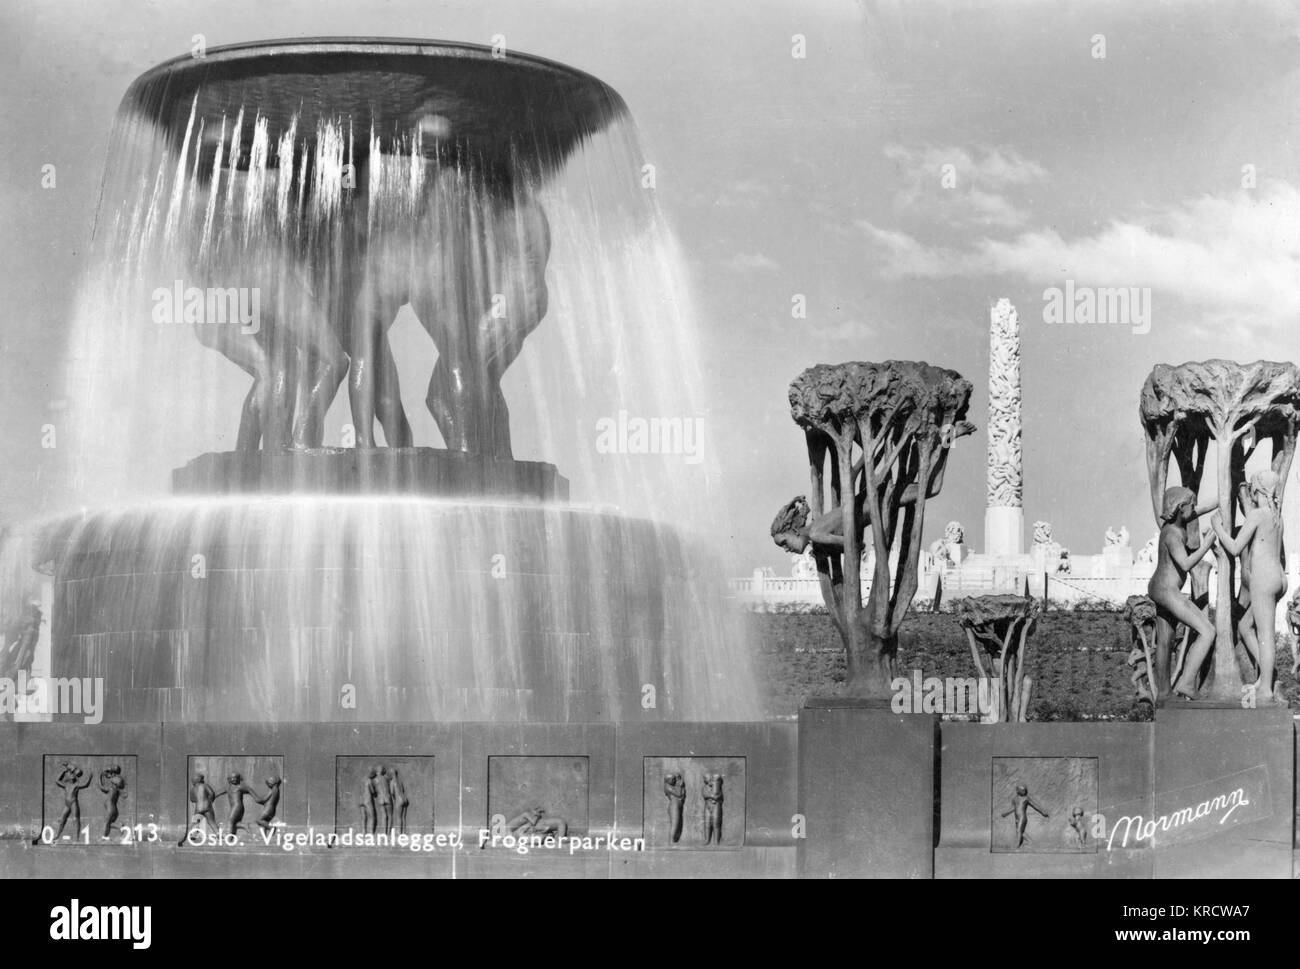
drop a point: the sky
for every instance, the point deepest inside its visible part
(919, 161)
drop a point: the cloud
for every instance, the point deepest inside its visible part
(746, 193)
(905, 256)
(750, 262)
(960, 186)
(844, 331)
(1232, 256)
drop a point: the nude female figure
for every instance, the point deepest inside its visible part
(1174, 560)
(1259, 541)
(1244, 618)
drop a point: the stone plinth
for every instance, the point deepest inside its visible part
(1004, 531)
(866, 791)
(1102, 769)
(1246, 757)
(454, 778)
(323, 609)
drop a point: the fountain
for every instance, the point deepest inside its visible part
(284, 201)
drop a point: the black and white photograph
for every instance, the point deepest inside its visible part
(674, 439)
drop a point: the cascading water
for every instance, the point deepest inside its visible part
(285, 203)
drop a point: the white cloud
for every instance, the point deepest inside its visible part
(1232, 256)
(906, 256)
(960, 186)
(747, 193)
(844, 331)
(750, 262)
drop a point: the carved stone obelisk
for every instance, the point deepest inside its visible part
(1004, 519)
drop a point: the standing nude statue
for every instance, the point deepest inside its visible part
(112, 784)
(367, 801)
(1174, 560)
(1258, 544)
(712, 809)
(1243, 617)
(72, 785)
(1020, 805)
(675, 791)
(270, 803)
(400, 801)
(383, 802)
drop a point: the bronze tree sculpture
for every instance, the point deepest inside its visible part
(878, 436)
(1237, 406)
(1000, 625)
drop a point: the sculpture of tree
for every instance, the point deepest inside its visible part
(878, 436)
(1237, 405)
(1001, 625)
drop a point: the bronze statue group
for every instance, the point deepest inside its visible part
(1257, 545)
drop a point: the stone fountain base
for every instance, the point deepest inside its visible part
(313, 608)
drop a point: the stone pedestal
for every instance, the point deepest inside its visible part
(1004, 531)
(1246, 757)
(1102, 770)
(867, 791)
(385, 610)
